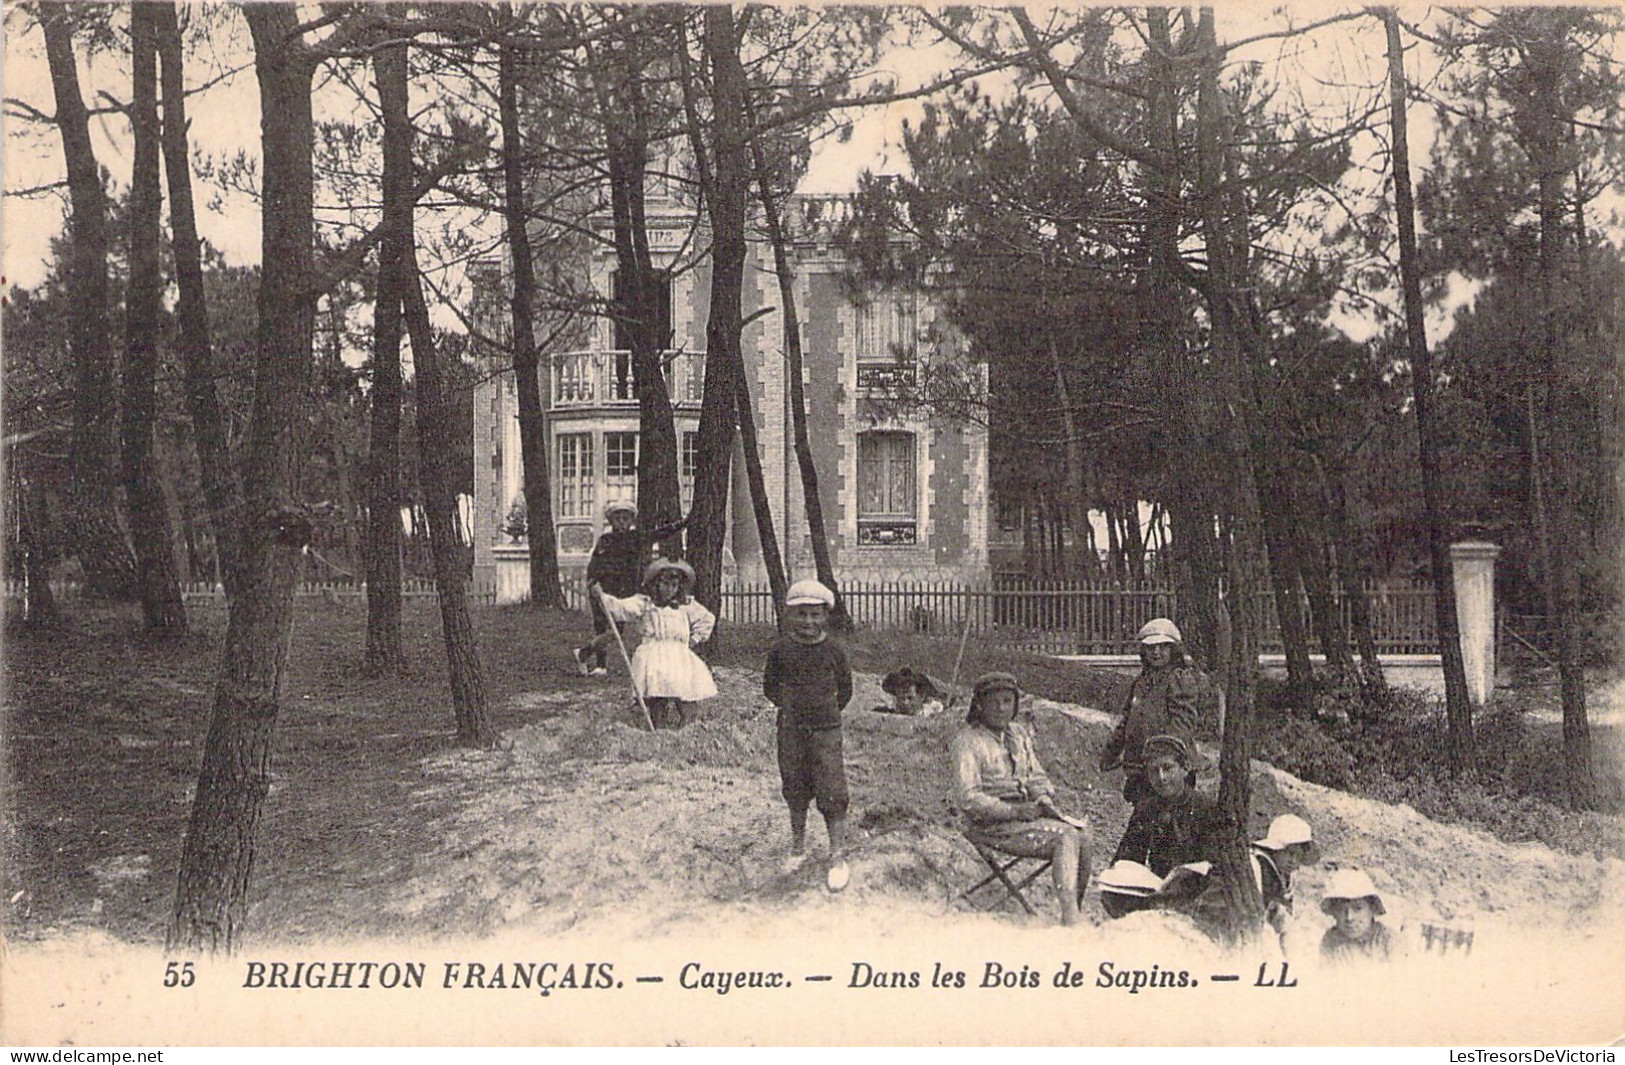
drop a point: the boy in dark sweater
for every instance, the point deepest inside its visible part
(617, 563)
(807, 677)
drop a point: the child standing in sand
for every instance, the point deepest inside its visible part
(807, 677)
(1162, 700)
(617, 563)
(665, 670)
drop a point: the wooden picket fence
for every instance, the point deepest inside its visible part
(1072, 617)
(1046, 617)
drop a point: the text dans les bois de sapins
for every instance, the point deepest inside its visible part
(547, 977)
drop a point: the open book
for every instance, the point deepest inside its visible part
(1132, 878)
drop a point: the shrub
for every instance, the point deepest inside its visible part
(1394, 749)
(1303, 749)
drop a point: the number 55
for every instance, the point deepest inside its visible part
(179, 974)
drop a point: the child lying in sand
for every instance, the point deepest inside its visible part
(913, 693)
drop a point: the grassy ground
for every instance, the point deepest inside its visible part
(103, 729)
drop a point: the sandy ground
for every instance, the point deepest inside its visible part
(584, 837)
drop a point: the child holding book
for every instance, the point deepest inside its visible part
(1173, 825)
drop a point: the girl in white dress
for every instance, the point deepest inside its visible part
(670, 622)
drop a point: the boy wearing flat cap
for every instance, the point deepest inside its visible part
(808, 678)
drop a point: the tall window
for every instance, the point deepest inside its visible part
(685, 471)
(620, 466)
(887, 496)
(887, 325)
(577, 491)
(886, 336)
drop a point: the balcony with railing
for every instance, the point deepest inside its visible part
(583, 379)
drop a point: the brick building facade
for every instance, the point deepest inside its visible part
(904, 493)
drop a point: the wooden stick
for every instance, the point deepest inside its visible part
(626, 658)
(953, 685)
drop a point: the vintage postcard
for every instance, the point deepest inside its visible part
(588, 525)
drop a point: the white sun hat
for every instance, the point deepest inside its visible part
(1351, 884)
(1160, 630)
(1285, 831)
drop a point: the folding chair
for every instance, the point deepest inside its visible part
(1000, 867)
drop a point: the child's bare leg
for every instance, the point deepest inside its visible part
(1070, 868)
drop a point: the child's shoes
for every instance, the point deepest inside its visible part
(840, 874)
(792, 863)
(583, 665)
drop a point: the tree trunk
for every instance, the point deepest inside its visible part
(1309, 548)
(1458, 712)
(1554, 507)
(1352, 573)
(545, 590)
(1190, 510)
(384, 654)
(144, 307)
(1243, 904)
(101, 545)
(771, 558)
(217, 858)
(626, 133)
(217, 470)
(436, 447)
(1276, 506)
(708, 521)
(39, 602)
(840, 620)
(437, 478)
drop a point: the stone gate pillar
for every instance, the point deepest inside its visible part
(1473, 564)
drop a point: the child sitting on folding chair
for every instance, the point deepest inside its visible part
(1006, 797)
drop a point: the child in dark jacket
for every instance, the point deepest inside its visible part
(1172, 825)
(617, 563)
(1162, 700)
(807, 677)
